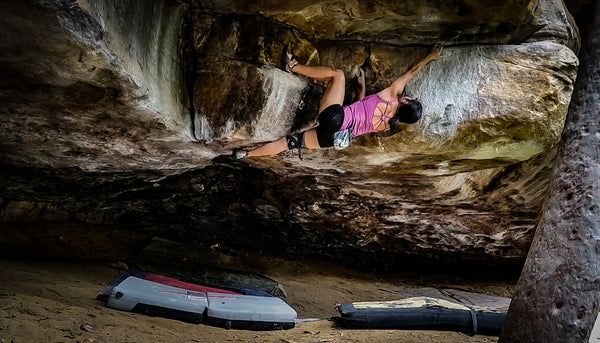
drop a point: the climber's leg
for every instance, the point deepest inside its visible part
(270, 149)
(307, 139)
(334, 94)
(310, 139)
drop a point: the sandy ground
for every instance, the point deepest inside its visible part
(49, 302)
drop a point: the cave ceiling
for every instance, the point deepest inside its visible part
(118, 119)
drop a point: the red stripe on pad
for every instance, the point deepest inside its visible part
(165, 280)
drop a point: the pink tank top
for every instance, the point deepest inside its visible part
(360, 115)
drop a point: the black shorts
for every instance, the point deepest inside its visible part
(330, 122)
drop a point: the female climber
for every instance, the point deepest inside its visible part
(337, 125)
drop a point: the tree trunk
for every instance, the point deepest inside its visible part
(557, 297)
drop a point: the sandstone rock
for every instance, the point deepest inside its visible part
(146, 50)
(68, 100)
(554, 22)
(392, 22)
(480, 102)
(113, 113)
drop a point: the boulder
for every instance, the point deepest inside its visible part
(115, 114)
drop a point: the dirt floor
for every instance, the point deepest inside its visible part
(50, 302)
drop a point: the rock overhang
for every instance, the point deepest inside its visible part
(466, 182)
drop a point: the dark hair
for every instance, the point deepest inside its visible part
(408, 113)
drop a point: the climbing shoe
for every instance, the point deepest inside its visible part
(296, 141)
(289, 60)
(239, 154)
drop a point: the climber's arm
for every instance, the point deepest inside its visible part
(362, 92)
(361, 83)
(397, 87)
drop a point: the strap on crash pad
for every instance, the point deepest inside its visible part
(473, 321)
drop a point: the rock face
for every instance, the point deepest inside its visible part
(114, 114)
(391, 22)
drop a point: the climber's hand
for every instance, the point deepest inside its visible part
(436, 52)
